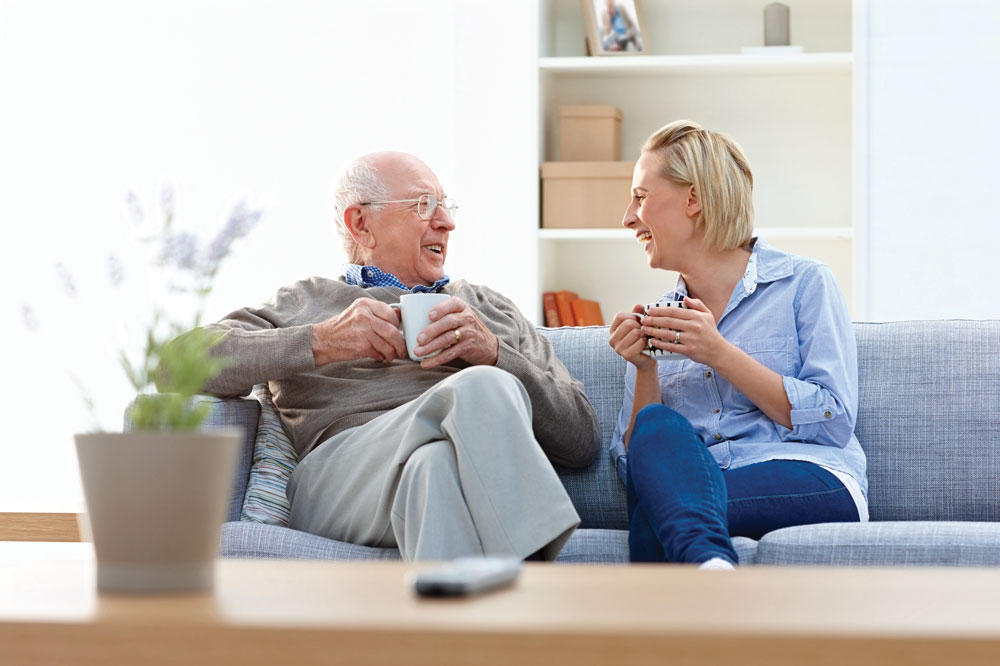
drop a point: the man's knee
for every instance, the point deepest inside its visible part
(485, 386)
(484, 376)
(431, 464)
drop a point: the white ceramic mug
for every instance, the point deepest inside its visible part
(413, 312)
(656, 352)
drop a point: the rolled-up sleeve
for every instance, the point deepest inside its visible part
(824, 392)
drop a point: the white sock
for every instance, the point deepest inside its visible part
(717, 563)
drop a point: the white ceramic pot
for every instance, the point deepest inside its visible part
(156, 502)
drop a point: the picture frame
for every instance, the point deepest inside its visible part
(614, 27)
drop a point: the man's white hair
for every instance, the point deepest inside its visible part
(356, 183)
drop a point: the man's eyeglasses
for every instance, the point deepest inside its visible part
(426, 205)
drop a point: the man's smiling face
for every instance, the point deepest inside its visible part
(409, 247)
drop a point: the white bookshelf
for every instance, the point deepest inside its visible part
(792, 113)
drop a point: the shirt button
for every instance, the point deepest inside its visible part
(827, 415)
(718, 437)
(716, 411)
(708, 374)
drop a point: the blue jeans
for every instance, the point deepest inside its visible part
(683, 508)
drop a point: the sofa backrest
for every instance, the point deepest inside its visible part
(928, 419)
(597, 492)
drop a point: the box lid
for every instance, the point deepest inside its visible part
(588, 169)
(590, 112)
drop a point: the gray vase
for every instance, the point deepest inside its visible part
(156, 502)
(776, 25)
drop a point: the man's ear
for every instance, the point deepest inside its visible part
(693, 204)
(357, 222)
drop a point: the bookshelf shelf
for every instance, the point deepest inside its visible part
(783, 233)
(722, 64)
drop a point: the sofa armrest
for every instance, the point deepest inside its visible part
(242, 413)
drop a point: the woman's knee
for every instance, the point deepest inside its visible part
(659, 426)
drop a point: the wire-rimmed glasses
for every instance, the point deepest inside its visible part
(426, 205)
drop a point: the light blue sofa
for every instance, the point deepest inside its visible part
(929, 420)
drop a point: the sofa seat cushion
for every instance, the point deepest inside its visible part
(245, 539)
(595, 546)
(892, 543)
(598, 546)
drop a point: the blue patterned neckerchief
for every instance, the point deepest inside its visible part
(371, 276)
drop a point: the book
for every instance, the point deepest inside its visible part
(587, 312)
(563, 300)
(551, 309)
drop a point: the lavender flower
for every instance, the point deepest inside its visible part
(180, 249)
(116, 271)
(241, 220)
(29, 318)
(187, 270)
(168, 200)
(133, 208)
(66, 278)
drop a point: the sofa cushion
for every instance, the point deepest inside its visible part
(597, 492)
(274, 459)
(611, 546)
(929, 418)
(243, 539)
(896, 543)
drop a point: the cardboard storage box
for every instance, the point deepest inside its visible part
(585, 194)
(590, 133)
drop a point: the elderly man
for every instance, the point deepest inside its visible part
(443, 458)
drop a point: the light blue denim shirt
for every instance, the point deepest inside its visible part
(788, 313)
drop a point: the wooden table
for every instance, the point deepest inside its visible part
(41, 521)
(298, 613)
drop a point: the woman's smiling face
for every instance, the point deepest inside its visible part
(663, 214)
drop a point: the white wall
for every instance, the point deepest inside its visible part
(224, 97)
(933, 140)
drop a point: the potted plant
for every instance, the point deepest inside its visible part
(157, 494)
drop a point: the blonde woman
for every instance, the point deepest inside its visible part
(749, 426)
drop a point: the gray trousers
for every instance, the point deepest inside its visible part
(455, 472)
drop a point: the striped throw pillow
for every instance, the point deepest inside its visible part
(274, 458)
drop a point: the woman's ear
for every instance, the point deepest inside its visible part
(693, 204)
(357, 222)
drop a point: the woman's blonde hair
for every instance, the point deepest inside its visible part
(715, 165)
